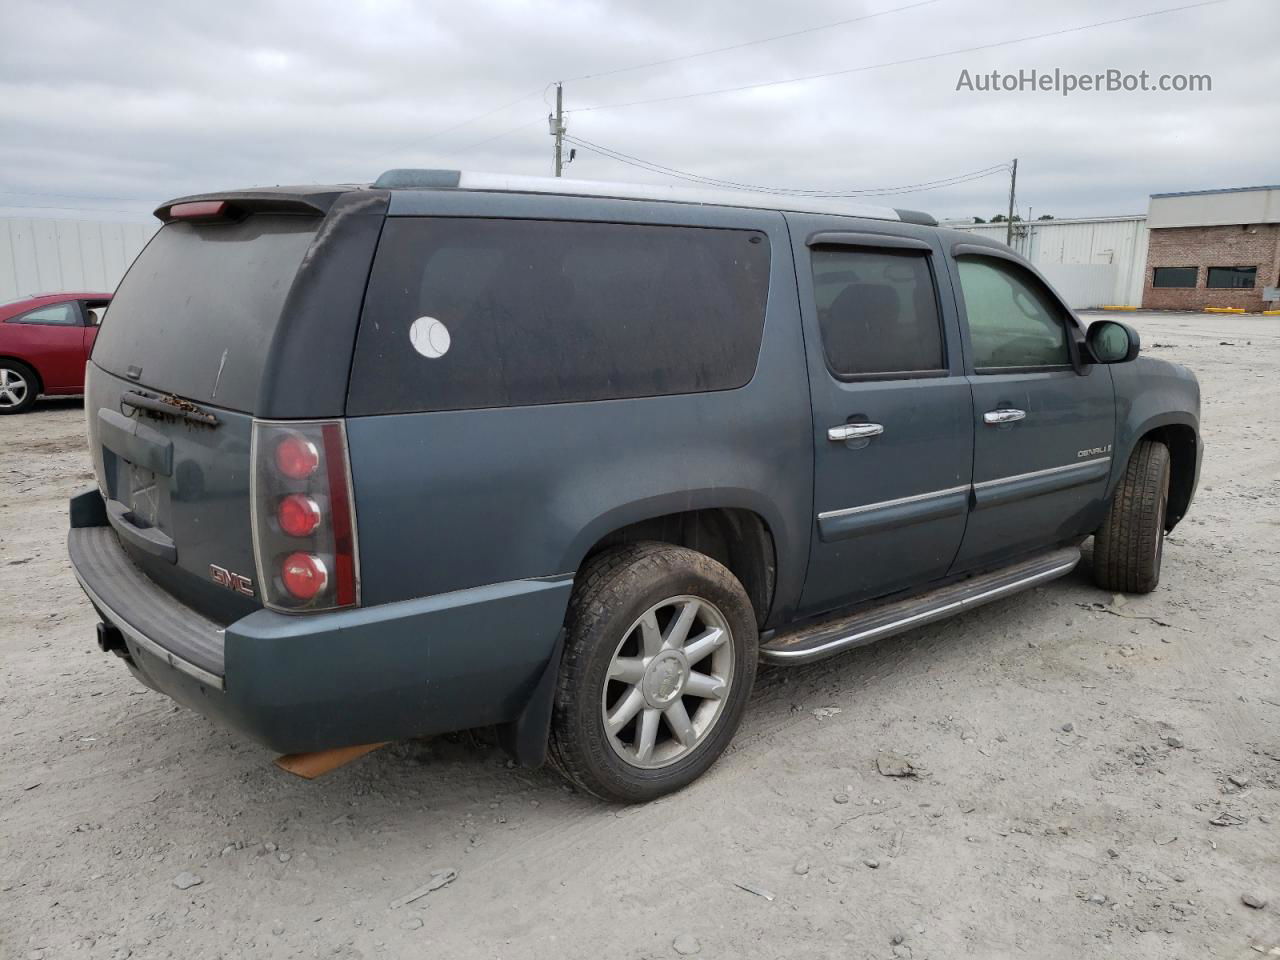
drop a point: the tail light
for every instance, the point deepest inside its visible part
(304, 531)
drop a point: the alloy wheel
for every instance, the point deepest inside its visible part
(668, 682)
(13, 387)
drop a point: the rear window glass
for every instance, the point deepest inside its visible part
(196, 311)
(469, 313)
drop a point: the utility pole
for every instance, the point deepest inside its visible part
(557, 125)
(1013, 183)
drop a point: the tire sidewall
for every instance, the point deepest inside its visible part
(610, 616)
(1162, 510)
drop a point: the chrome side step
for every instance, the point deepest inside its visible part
(813, 642)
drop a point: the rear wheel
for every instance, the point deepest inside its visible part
(18, 387)
(660, 656)
(1129, 546)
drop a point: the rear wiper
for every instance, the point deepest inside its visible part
(169, 405)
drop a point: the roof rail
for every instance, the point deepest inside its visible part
(410, 179)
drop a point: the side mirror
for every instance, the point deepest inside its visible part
(1112, 342)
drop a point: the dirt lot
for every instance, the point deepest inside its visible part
(1100, 777)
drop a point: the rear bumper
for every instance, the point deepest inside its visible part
(300, 683)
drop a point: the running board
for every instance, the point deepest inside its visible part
(813, 642)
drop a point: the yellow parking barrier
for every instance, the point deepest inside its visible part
(1114, 307)
(1224, 309)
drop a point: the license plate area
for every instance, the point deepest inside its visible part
(145, 492)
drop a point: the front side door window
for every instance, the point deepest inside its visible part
(1013, 320)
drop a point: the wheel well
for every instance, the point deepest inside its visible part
(30, 366)
(739, 539)
(1181, 441)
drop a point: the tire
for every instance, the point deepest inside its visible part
(1129, 546)
(622, 642)
(19, 387)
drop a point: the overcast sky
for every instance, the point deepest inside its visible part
(120, 105)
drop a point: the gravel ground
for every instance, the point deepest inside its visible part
(1096, 776)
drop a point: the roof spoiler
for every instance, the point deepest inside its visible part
(237, 204)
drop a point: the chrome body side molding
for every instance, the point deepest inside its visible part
(1024, 485)
(867, 517)
(870, 517)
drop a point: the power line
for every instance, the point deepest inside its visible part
(654, 167)
(751, 43)
(40, 206)
(504, 133)
(641, 66)
(75, 196)
(462, 123)
(902, 62)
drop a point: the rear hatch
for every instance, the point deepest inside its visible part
(193, 349)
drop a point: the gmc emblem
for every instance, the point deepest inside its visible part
(232, 581)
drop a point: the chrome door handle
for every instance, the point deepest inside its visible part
(854, 431)
(1005, 415)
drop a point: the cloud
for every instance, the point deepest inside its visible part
(133, 102)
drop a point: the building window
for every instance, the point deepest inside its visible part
(1174, 276)
(1232, 278)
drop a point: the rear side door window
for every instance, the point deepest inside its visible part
(541, 311)
(55, 315)
(878, 313)
(1013, 322)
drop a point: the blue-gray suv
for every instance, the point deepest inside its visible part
(567, 458)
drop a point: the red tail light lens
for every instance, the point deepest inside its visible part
(303, 516)
(296, 456)
(200, 210)
(304, 575)
(298, 515)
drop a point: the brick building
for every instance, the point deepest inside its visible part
(1213, 248)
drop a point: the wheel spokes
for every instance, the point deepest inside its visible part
(650, 635)
(678, 631)
(647, 734)
(702, 645)
(626, 709)
(680, 724)
(627, 669)
(704, 685)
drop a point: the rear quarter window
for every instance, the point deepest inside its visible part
(536, 311)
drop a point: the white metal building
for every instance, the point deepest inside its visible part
(1092, 262)
(49, 255)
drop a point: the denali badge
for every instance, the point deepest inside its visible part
(1093, 452)
(232, 581)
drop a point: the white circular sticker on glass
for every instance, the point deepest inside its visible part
(430, 337)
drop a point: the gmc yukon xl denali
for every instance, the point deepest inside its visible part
(569, 458)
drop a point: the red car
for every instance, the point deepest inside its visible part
(44, 344)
